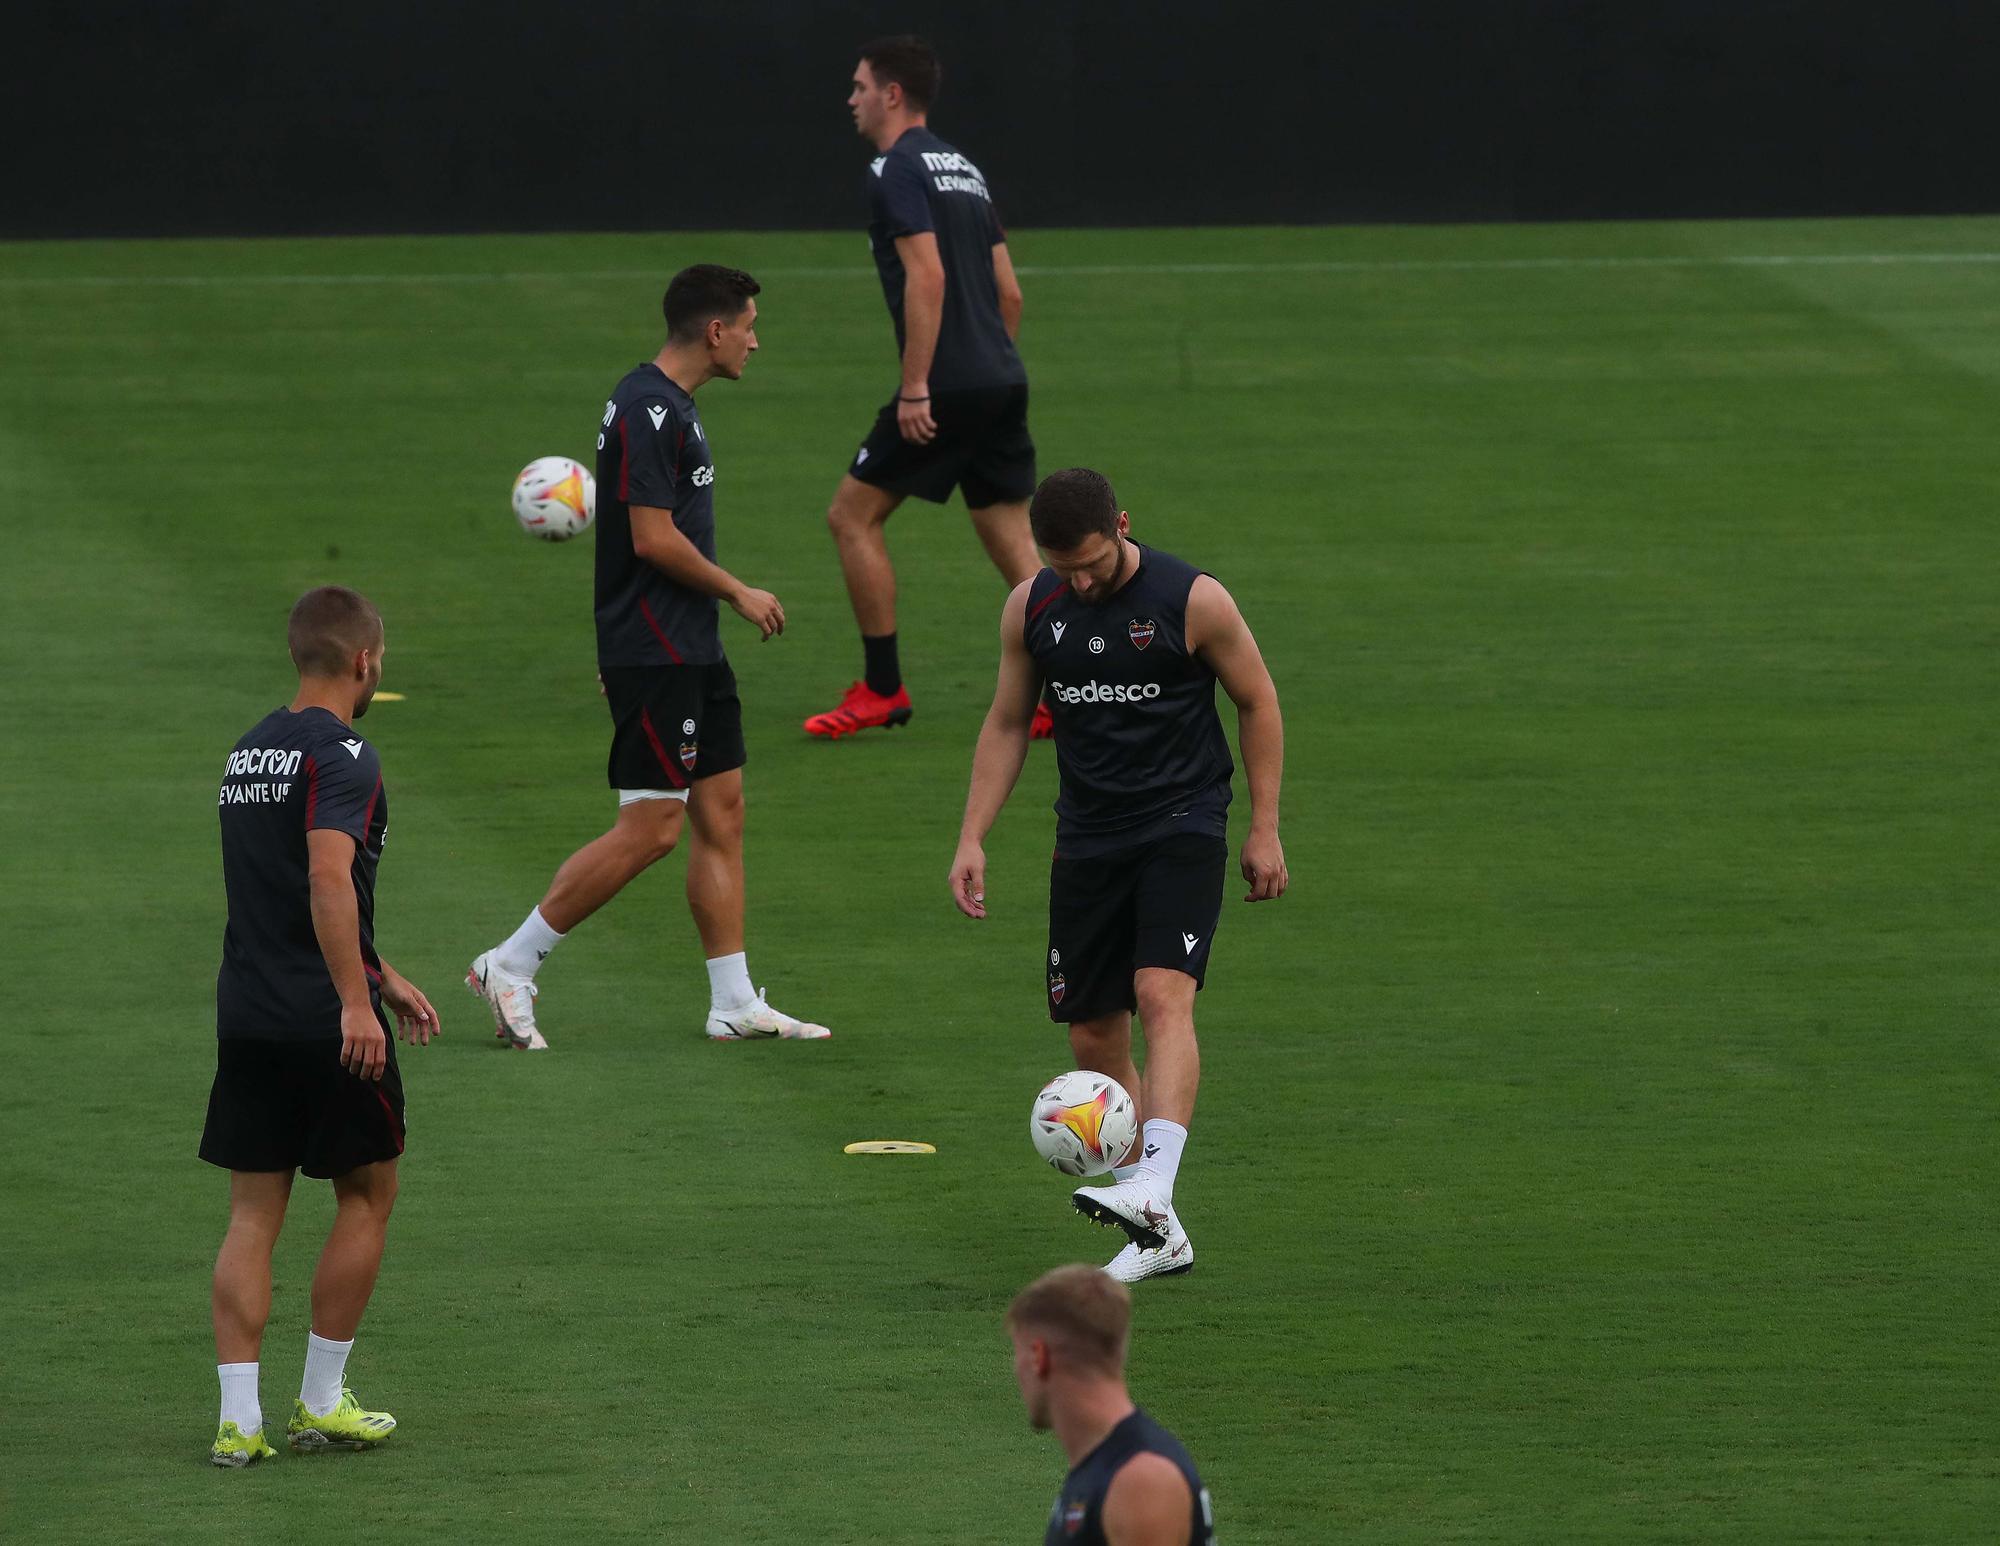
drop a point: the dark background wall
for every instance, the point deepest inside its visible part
(265, 116)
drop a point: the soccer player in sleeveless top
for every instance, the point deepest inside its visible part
(1130, 643)
(306, 1075)
(959, 418)
(677, 724)
(1131, 1482)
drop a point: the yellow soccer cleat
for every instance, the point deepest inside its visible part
(345, 1427)
(233, 1447)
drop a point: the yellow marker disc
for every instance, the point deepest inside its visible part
(388, 697)
(889, 1146)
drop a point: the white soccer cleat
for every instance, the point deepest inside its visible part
(512, 1000)
(1134, 1265)
(758, 1021)
(1132, 1206)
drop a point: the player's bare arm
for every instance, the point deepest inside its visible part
(1002, 749)
(1216, 631)
(1149, 1504)
(923, 318)
(336, 916)
(1009, 288)
(661, 543)
(416, 1020)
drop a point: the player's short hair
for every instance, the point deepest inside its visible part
(699, 295)
(328, 627)
(911, 63)
(1071, 505)
(1085, 1315)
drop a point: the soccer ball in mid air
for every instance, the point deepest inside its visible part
(554, 498)
(1083, 1123)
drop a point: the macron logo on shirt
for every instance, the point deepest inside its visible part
(354, 749)
(657, 415)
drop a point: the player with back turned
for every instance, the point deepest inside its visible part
(959, 418)
(306, 1076)
(1130, 643)
(1131, 1482)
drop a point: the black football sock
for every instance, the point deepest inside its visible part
(883, 674)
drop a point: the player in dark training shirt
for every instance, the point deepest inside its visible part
(677, 724)
(959, 418)
(1130, 643)
(305, 1075)
(1131, 1483)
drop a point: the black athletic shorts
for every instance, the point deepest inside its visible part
(982, 446)
(289, 1105)
(1153, 904)
(672, 724)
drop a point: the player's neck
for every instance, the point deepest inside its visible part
(337, 698)
(1088, 1413)
(688, 369)
(896, 125)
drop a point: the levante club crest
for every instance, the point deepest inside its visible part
(1141, 631)
(1057, 987)
(689, 751)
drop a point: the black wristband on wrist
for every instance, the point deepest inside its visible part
(924, 399)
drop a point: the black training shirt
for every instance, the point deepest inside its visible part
(288, 775)
(922, 184)
(651, 450)
(1078, 1517)
(1138, 742)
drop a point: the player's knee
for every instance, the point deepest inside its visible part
(371, 1190)
(847, 516)
(1099, 1046)
(652, 836)
(1166, 1008)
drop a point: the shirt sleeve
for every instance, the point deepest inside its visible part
(343, 782)
(652, 434)
(901, 201)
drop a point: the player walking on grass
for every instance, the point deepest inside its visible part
(959, 418)
(1131, 1483)
(305, 1075)
(677, 738)
(1130, 642)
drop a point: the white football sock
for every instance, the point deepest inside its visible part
(239, 1396)
(326, 1361)
(1161, 1160)
(729, 982)
(1125, 1172)
(526, 948)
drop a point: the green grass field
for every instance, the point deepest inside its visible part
(1597, 1143)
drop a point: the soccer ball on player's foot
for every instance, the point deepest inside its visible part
(554, 498)
(1083, 1123)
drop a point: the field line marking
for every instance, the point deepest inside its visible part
(1046, 270)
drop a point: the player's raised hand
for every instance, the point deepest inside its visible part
(416, 1020)
(968, 880)
(1264, 867)
(364, 1049)
(761, 608)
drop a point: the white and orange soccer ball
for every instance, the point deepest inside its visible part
(554, 498)
(1083, 1123)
